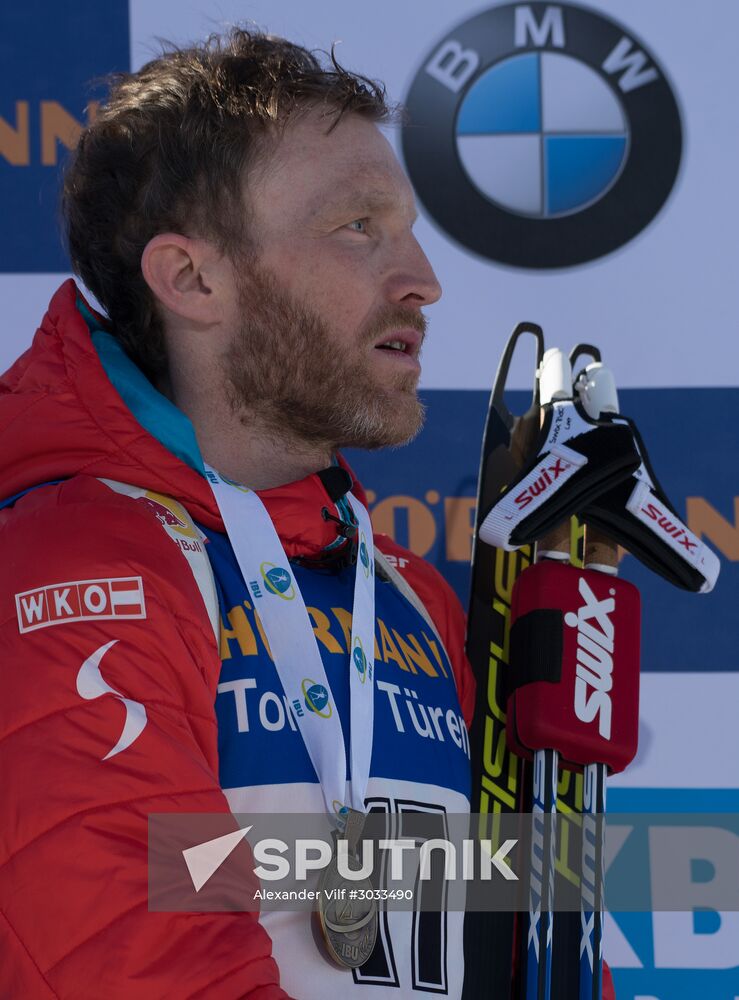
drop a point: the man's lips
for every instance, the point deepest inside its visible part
(405, 341)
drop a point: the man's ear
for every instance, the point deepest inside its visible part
(184, 275)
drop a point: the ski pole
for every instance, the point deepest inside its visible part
(601, 555)
(574, 635)
(539, 940)
(555, 382)
(596, 390)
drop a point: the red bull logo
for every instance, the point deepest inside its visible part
(164, 514)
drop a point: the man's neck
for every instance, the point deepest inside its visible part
(258, 458)
(239, 445)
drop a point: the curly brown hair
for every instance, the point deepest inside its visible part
(169, 151)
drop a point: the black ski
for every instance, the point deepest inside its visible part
(501, 781)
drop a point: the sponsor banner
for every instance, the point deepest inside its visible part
(617, 78)
(694, 952)
(424, 497)
(80, 600)
(623, 162)
(677, 956)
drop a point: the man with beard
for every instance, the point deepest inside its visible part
(196, 616)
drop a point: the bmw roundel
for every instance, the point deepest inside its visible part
(541, 135)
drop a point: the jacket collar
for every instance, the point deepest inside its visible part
(78, 405)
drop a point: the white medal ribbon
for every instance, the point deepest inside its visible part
(293, 645)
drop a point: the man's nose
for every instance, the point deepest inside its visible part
(414, 281)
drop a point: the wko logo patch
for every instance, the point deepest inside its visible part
(542, 135)
(80, 600)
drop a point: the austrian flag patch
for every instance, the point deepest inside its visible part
(80, 600)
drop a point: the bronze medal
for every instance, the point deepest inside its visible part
(348, 926)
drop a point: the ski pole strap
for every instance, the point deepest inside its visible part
(536, 648)
(637, 514)
(577, 459)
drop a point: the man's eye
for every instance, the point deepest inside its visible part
(358, 226)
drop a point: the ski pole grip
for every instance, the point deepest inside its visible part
(556, 543)
(595, 387)
(600, 552)
(574, 666)
(555, 376)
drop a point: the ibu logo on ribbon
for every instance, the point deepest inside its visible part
(278, 581)
(364, 555)
(316, 698)
(235, 483)
(360, 660)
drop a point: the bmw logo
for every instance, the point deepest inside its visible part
(541, 135)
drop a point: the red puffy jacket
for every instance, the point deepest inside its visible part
(73, 851)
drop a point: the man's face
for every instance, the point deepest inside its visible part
(336, 277)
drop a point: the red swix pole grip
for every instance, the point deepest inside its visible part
(574, 665)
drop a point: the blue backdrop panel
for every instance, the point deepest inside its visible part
(44, 83)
